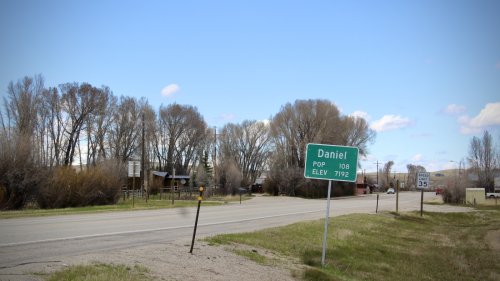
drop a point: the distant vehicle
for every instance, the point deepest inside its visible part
(494, 194)
(390, 190)
(439, 190)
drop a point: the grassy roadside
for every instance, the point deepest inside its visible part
(100, 272)
(139, 204)
(438, 246)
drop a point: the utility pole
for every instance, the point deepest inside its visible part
(142, 159)
(215, 156)
(377, 171)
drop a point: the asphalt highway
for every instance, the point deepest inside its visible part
(46, 239)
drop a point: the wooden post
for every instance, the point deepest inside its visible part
(397, 196)
(200, 198)
(172, 187)
(422, 202)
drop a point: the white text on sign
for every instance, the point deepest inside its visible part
(319, 172)
(331, 154)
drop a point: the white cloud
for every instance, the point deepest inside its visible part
(169, 90)
(228, 117)
(453, 109)
(390, 122)
(489, 116)
(418, 157)
(361, 114)
(266, 122)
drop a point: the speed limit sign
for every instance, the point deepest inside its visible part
(423, 180)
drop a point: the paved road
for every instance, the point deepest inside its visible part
(43, 239)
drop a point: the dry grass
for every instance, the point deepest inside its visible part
(97, 272)
(439, 246)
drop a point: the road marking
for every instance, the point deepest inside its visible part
(150, 230)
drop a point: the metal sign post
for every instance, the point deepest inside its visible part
(325, 235)
(330, 162)
(423, 182)
(133, 172)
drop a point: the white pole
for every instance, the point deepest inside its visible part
(326, 223)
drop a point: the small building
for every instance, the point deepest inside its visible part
(475, 196)
(165, 180)
(361, 185)
(258, 185)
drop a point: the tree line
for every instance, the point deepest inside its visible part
(46, 131)
(483, 167)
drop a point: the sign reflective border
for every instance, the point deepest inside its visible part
(423, 180)
(331, 162)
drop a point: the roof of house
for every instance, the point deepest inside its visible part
(169, 176)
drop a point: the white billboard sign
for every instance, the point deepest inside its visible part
(134, 169)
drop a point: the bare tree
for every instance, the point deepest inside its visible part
(79, 102)
(412, 174)
(181, 137)
(312, 121)
(19, 147)
(386, 172)
(52, 104)
(248, 144)
(98, 127)
(231, 177)
(356, 132)
(125, 132)
(150, 129)
(303, 122)
(482, 158)
(23, 103)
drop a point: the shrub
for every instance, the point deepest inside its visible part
(454, 193)
(154, 187)
(19, 177)
(292, 182)
(271, 187)
(98, 185)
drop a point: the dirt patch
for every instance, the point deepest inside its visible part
(171, 262)
(493, 239)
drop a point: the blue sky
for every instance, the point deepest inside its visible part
(425, 74)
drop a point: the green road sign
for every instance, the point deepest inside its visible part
(331, 162)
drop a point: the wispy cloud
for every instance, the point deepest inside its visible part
(488, 117)
(169, 90)
(228, 117)
(390, 122)
(361, 114)
(265, 121)
(417, 157)
(454, 109)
